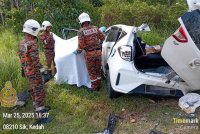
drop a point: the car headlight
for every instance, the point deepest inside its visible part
(125, 52)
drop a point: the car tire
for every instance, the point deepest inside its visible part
(111, 93)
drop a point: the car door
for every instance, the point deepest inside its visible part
(182, 50)
(112, 35)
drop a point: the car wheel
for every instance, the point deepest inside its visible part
(110, 90)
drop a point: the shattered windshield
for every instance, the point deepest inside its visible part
(191, 21)
(115, 34)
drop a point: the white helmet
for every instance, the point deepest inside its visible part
(193, 4)
(83, 18)
(31, 27)
(46, 24)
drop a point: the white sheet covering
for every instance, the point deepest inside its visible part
(71, 68)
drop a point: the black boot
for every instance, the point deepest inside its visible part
(50, 74)
(43, 117)
(47, 76)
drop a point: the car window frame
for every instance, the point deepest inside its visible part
(120, 34)
(119, 37)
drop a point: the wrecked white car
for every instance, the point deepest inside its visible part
(174, 72)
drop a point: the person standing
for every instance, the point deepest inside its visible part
(32, 67)
(89, 38)
(48, 44)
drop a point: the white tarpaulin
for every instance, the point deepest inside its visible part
(71, 68)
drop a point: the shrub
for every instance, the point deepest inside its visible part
(136, 12)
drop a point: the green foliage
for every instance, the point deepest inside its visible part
(159, 15)
(155, 36)
(155, 2)
(10, 68)
(16, 19)
(61, 13)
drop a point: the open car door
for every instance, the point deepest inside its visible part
(182, 50)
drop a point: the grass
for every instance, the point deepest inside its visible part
(10, 69)
(76, 111)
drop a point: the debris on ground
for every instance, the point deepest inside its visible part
(152, 101)
(155, 131)
(189, 102)
(133, 120)
(123, 109)
(112, 120)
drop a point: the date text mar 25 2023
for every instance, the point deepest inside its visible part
(25, 115)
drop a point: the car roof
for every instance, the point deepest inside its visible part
(126, 28)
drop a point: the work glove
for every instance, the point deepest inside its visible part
(75, 52)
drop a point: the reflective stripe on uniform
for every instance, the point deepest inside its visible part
(94, 80)
(39, 108)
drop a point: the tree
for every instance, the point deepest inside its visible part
(61, 13)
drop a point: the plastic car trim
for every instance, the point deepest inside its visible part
(118, 79)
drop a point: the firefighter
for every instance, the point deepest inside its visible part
(89, 38)
(48, 44)
(32, 68)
